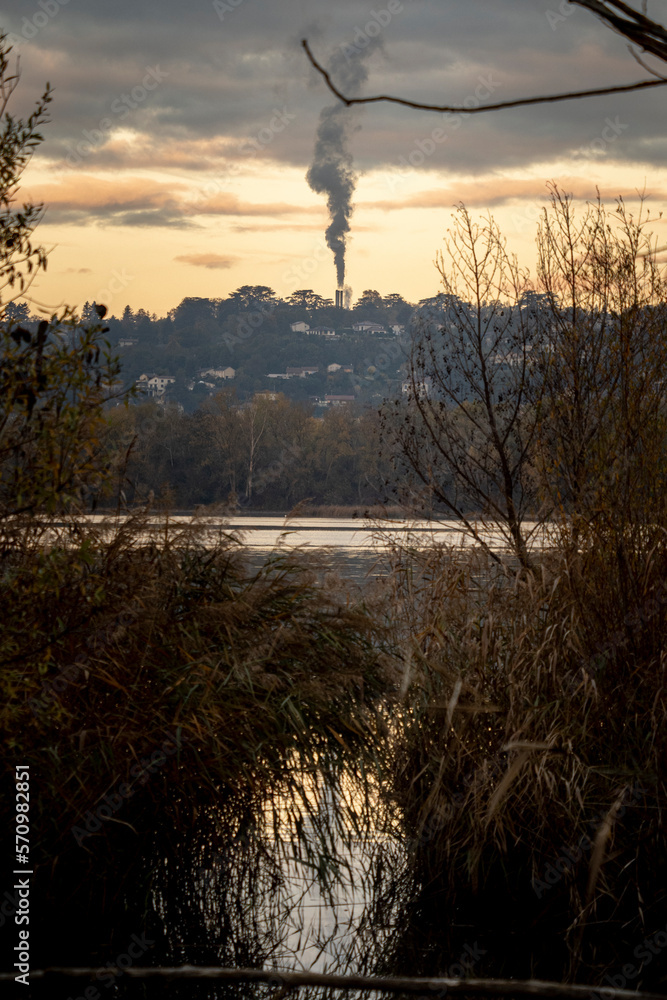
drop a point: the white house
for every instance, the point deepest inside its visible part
(159, 383)
(218, 372)
(368, 327)
(154, 385)
(301, 371)
(423, 387)
(299, 327)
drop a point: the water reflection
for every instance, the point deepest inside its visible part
(348, 535)
(306, 882)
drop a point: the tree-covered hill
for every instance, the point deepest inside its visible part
(251, 332)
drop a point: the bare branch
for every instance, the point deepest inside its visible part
(649, 69)
(649, 35)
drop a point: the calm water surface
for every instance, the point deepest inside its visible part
(347, 535)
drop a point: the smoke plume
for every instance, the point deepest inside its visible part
(331, 171)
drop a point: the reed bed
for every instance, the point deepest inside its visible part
(254, 678)
(503, 733)
(528, 760)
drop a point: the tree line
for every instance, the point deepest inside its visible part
(268, 453)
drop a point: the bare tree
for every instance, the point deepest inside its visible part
(466, 427)
(543, 404)
(643, 33)
(601, 452)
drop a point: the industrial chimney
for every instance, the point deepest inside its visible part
(339, 298)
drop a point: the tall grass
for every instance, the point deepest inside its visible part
(503, 730)
(532, 722)
(257, 677)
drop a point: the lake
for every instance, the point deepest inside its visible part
(346, 535)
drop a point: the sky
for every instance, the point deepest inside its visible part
(181, 134)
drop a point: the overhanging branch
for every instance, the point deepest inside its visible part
(639, 29)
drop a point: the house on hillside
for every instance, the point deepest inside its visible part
(295, 371)
(422, 387)
(225, 373)
(301, 371)
(513, 358)
(366, 326)
(154, 385)
(339, 368)
(299, 327)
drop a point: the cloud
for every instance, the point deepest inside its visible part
(213, 261)
(135, 150)
(141, 201)
(292, 227)
(123, 201)
(229, 204)
(492, 192)
(225, 78)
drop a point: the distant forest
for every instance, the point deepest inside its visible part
(264, 454)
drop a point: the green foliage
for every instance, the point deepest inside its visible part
(56, 376)
(19, 260)
(248, 296)
(250, 331)
(306, 298)
(370, 299)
